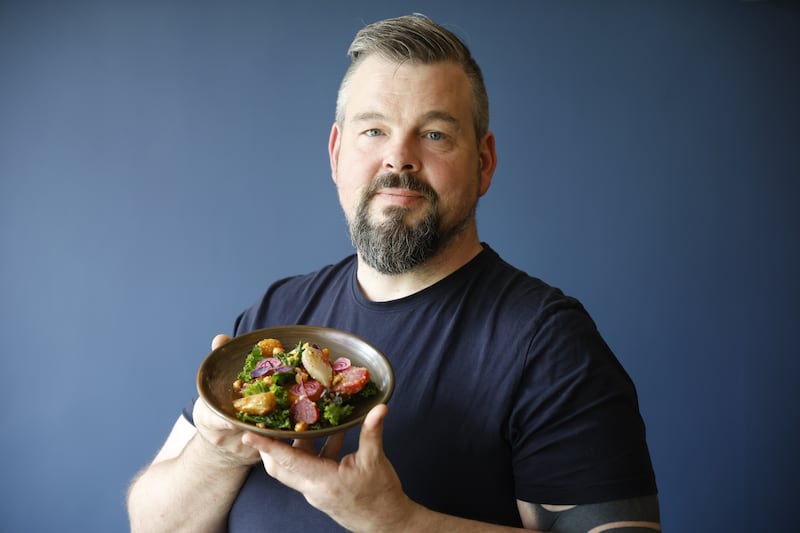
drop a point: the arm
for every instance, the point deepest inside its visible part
(195, 477)
(635, 515)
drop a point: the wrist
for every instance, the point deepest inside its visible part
(407, 517)
(216, 456)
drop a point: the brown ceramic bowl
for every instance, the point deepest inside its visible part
(219, 370)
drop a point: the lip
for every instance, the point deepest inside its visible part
(399, 196)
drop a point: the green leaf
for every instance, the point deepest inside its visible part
(334, 413)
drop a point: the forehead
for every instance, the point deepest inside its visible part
(378, 85)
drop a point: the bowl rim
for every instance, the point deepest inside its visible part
(245, 343)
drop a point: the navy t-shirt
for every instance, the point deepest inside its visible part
(504, 390)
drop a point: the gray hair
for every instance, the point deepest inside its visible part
(416, 39)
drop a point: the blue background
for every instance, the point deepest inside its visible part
(153, 156)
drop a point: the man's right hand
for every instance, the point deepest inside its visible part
(218, 432)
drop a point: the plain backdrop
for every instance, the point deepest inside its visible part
(161, 162)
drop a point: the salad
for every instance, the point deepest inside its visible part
(300, 389)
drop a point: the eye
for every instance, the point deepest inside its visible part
(373, 132)
(435, 135)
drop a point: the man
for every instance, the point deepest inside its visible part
(509, 409)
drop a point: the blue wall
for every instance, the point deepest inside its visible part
(151, 154)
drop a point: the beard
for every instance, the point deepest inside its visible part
(393, 246)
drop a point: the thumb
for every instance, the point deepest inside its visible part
(370, 442)
(219, 340)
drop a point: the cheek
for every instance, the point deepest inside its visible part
(353, 177)
(458, 197)
(354, 160)
(349, 197)
(456, 184)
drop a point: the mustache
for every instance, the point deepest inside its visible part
(403, 180)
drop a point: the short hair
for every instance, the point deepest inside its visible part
(416, 39)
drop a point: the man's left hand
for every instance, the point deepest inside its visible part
(361, 491)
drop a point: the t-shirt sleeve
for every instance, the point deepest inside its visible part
(576, 432)
(188, 409)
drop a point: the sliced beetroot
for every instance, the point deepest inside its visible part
(342, 363)
(311, 389)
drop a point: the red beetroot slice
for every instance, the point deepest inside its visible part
(311, 388)
(353, 380)
(340, 364)
(304, 410)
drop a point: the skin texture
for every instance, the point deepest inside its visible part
(405, 118)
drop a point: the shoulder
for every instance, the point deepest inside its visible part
(513, 281)
(287, 299)
(313, 281)
(528, 302)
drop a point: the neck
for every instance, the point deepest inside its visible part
(380, 287)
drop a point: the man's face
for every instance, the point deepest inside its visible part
(408, 168)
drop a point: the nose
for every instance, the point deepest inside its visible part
(401, 156)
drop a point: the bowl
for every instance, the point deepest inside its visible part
(220, 368)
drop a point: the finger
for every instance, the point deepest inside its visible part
(219, 340)
(333, 446)
(374, 419)
(290, 466)
(259, 442)
(307, 445)
(370, 442)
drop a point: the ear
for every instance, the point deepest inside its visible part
(487, 155)
(333, 149)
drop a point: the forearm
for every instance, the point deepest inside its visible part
(193, 491)
(423, 520)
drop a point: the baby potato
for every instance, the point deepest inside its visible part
(270, 347)
(256, 404)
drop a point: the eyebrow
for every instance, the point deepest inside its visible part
(367, 116)
(427, 117)
(440, 115)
